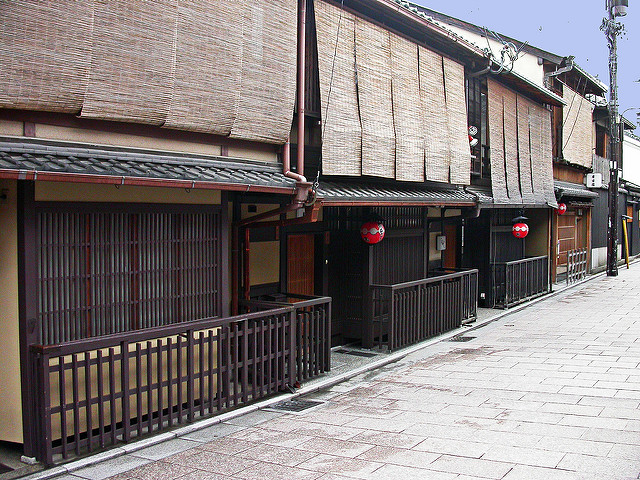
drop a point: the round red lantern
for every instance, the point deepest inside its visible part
(520, 230)
(372, 232)
(562, 208)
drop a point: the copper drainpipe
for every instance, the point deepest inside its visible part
(302, 185)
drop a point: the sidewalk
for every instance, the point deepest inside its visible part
(551, 391)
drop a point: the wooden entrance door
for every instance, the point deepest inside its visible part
(450, 232)
(566, 235)
(300, 264)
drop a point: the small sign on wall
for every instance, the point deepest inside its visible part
(441, 242)
(594, 180)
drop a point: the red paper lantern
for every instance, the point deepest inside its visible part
(372, 232)
(520, 230)
(562, 208)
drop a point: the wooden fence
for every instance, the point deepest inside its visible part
(520, 280)
(98, 392)
(577, 265)
(406, 313)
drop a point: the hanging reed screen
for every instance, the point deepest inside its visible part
(520, 131)
(577, 128)
(101, 273)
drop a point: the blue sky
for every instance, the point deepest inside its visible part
(564, 28)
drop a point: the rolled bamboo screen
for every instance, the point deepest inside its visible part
(456, 103)
(218, 67)
(206, 85)
(44, 54)
(577, 128)
(406, 110)
(268, 80)
(393, 93)
(342, 133)
(521, 157)
(434, 116)
(373, 66)
(132, 61)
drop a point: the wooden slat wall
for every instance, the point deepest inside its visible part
(434, 114)
(268, 82)
(105, 273)
(218, 67)
(373, 66)
(413, 123)
(44, 62)
(456, 103)
(521, 157)
(577, 128)
(406, 111)
(342, 132)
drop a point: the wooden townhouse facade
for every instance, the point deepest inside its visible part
(185, 186)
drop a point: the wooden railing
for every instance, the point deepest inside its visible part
(577, 265)
(407, 313)
(520, 280)
(97, 392)
(313, 331)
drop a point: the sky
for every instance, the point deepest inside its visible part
(563, 27)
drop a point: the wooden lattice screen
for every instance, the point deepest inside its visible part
(104, 272)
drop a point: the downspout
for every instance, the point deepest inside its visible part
(303, 188)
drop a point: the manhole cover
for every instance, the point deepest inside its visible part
(357, 354)
(295, 405)
(460, 338)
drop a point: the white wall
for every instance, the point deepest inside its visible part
(631, 159)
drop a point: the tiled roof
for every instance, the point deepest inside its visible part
(30, 156)
(356, 193)
(574, 190)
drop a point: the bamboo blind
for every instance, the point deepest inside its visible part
(577, 128)
(218, 67)
(495, 103)
(44, 52)
(386, 109)
(268, 80)
(132, 61)
(434, 116)
(342, 133)
(406, 110)
(524, 107)
(521, 159)
(458, 140)
(373, 64)
(207, 73)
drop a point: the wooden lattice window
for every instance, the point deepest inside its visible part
(104, 272)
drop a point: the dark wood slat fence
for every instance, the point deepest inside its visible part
(313, 330)
(406, 313)
(520, 280)
(98, 392)
(577, 265)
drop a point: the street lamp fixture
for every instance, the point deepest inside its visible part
(611, 29)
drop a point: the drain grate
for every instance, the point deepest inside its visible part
(295, 405)
(357, 354)
(461, 338)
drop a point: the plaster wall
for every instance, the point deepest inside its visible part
(631, 159)
(10, 397)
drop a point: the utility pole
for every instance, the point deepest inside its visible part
(611, 29)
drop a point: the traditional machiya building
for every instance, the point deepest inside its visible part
(191, 197)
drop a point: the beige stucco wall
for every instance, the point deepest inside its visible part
(83, 192)
(264, 258)
(10, 398)
(537, 242)
(236, 148)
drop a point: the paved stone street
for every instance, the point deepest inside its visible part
(549, 392)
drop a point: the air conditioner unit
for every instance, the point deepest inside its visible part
(594, 180)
